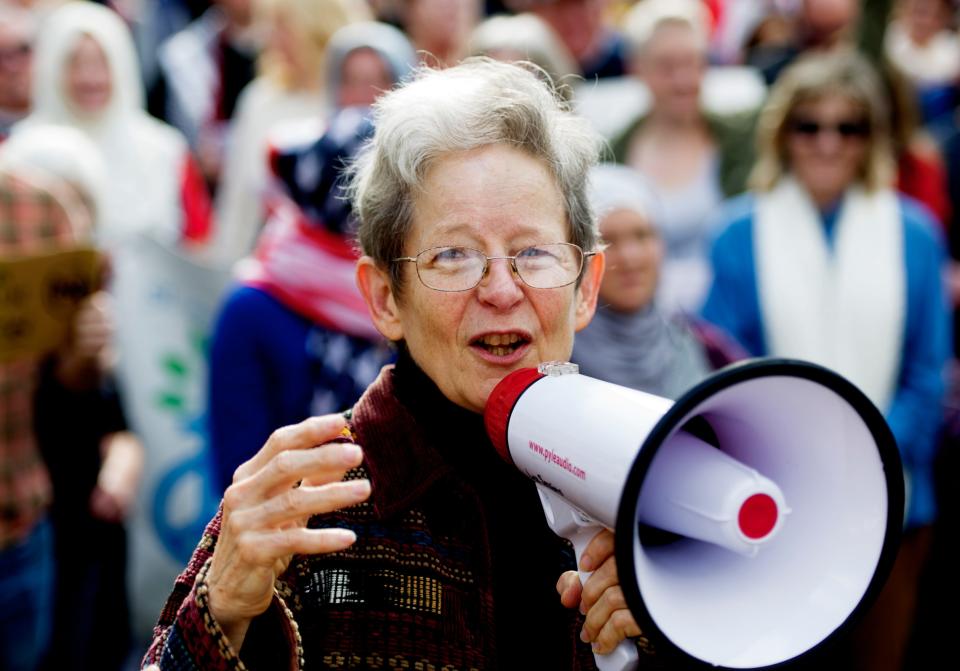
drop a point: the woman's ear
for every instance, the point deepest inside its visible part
(589, 289)
(377, 291)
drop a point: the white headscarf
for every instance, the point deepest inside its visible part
(144, 158)
(646, 349)
(63, 152)
(612, 186)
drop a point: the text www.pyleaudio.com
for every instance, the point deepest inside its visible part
(554, 458)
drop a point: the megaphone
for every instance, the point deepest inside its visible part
(755, 518)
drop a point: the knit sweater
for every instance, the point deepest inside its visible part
(454, 566)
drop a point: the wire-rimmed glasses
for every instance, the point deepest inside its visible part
(456, 268)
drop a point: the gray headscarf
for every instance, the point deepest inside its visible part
(391, 44)
(646, 349)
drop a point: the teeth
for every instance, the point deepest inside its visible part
(498, 339)
(500, 344)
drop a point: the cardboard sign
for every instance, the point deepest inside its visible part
(39, 296)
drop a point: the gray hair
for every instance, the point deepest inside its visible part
(478, 103)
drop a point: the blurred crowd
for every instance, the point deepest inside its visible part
(781, 177)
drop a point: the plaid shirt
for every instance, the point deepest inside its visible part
(33, 219)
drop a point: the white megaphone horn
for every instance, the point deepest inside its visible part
(778, 482)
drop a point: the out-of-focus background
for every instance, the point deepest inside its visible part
(164, 306)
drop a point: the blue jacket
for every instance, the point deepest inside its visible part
(270, 367)
(916, 412)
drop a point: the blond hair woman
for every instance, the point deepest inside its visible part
(290, 86)
(825, 261)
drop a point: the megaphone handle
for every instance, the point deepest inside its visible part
(572, 524)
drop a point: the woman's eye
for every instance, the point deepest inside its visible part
(538, 256)
(450, 255)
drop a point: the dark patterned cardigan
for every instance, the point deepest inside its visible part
(414, 592)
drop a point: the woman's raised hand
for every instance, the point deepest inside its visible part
(295, 475)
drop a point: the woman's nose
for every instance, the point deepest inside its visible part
(829, 141)
(500, 286)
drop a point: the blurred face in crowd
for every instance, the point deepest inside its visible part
(364, 77)
(924, 19)
(16, 56)
(239, 12)
(672, 66)
(87, 80)
(441, 27)
(499, 200)
(828, 21)
(578, 23)
(634, 253)
(826, 145)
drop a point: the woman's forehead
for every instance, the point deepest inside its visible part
(836, 101)
(491, 192)
(480, 233)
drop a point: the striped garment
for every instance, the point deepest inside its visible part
(35, 217)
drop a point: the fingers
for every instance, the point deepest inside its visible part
(263, 547)
(322, 465)
(298, 504)
(598, 583)
(92, 327)
(96, 313)
(608, 621)
(597, 551)
(568, 587)
(104, 506)
(617, 625)
(311, 432)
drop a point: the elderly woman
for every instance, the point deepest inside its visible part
(631, 340)
(402, 543)
(823, 261)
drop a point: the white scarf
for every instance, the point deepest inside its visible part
(844, 308)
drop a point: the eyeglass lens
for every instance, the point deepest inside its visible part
(461, 268)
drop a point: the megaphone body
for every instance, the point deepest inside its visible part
(778, 481)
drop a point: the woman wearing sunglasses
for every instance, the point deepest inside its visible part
(824, 261)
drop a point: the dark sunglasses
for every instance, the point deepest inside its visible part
(845, 129)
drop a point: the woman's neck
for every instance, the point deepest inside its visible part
(666, 123)
(825, 199)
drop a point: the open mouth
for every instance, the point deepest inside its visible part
(500, 344)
